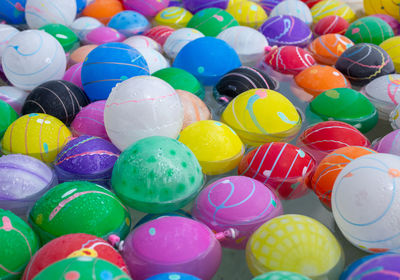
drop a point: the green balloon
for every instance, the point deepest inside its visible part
(7, 117)
(65, 36)
(181, 79)
(79, 207)
(18, 244)
(82, 268)
(369, 30)
(281, 275)
(157, 175)
(212, 21)
(346, 105)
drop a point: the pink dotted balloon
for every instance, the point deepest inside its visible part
(73, 74)
(90, 121)
(148, 8)
(237, 202)
(172, 243)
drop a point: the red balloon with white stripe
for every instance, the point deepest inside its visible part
(321, 139)
(282, 166)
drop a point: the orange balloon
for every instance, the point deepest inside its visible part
(327, 48)
(103, 10)
(80, 53)
(319, 78)
(329, 168)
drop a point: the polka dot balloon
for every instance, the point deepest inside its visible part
(295, 243)
(157, 175)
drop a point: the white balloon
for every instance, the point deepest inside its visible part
(366, 202)
(155, 60)
(33, 57)
(83, 25)
(178, 39)
(248, 43)
(293, 8)
(41, 12)
(140, 41)
(140, 107)
(6, 33)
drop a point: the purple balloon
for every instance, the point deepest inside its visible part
(86, 158)
(23, 180)
(196, 5)
(172, 243)
(389, 144)
(379, 266)
(285, 30)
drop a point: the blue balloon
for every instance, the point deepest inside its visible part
(108, 65)
(129, 23)
(12, 11)
(80, 5)
(173, 276)
(208, 59)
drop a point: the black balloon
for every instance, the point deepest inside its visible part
(57, 98)
(364, 62)
(240, 80)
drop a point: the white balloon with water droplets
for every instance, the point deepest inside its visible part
(33, 57)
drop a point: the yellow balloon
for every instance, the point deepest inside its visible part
(234, 2)
(295, 243)
(248, 13)
(38, 135)
(388, 7)
(175, 17)
(216, 146)
(392, 47)
(261, 115)
(332, 7)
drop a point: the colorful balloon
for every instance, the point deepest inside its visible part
(262, 115)
(86, 158)
(79, 207)
(19, 244)
(157, 175)
(236, 202)
(172, 244)
(283, 167)
(71, 246)
(295, 243)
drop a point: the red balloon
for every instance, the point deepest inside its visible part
(72, 245)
